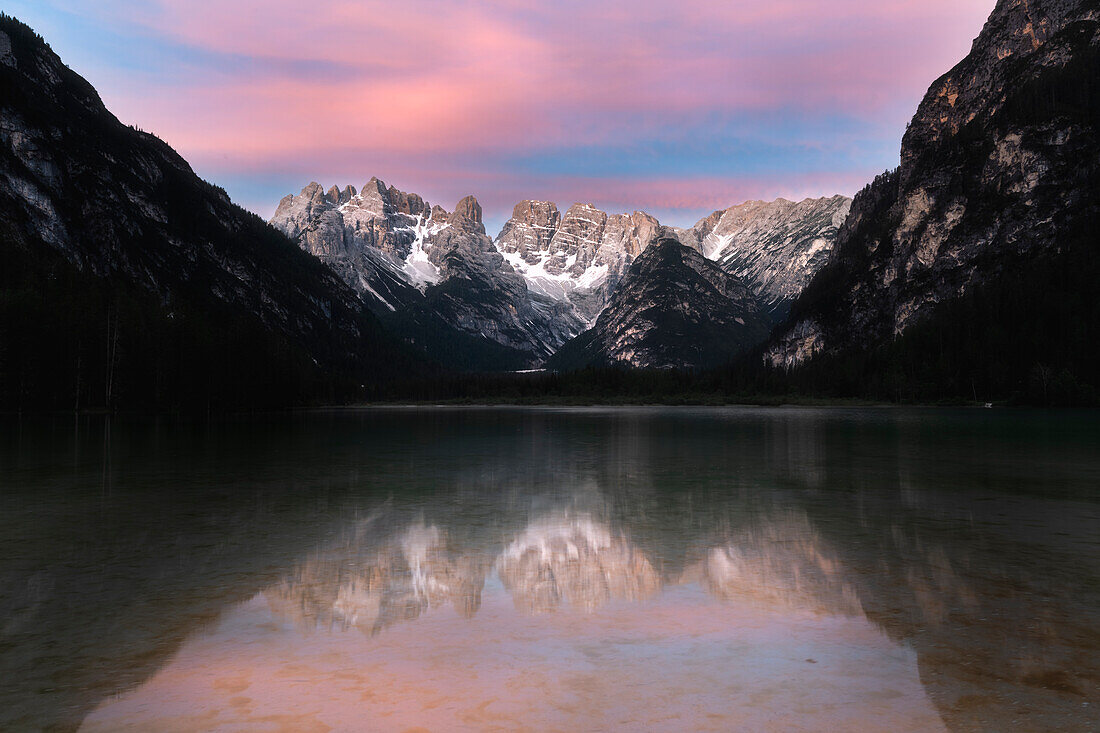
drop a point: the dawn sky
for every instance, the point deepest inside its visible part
(677, 108)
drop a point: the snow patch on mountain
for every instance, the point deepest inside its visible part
(420, 270)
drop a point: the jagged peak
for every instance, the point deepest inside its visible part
(407, 203)
(468, 208)
(521, 211)
(391, 198)
(753, 205)
(375, 184)
(666, 237)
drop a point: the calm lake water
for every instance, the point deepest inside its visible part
(553, 569)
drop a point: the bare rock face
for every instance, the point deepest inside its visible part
(673, 309)
(424, 269)
(577, 258)
(7, 57)
(997, 166)
(775, 247)
(467, 216)
(530, 230)
(628, 233)
(575, 243)
(979, 86)
(404, 203)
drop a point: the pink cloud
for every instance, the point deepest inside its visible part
(463, 79)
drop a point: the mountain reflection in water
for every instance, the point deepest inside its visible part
(379, 576)
(670, 569)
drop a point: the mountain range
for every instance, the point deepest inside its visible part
(548, 276)
(968, 270)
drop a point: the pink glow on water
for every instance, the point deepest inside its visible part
(680, 662)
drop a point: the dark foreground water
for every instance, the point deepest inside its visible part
(657, 569)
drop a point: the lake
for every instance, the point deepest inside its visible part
(663, 569)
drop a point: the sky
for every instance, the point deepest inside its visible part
(674, 107)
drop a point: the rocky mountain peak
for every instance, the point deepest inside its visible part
(775, 247)
(666, 237)
(576, 240)
(377, 185)
(576, 258)
(672, 309)
(467, 216)
(407, 203)
(579, 257)
(536, 213)
(628, 233)
(342, 221)
(529, 232)
(374, 201)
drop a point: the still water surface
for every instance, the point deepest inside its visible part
(572, 569)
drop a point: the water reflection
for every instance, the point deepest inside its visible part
(376, 578)
(781, 563)
(575, 560)
(383, 573)
(936, 568)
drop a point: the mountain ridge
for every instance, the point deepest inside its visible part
(130, 281)
(571, 261)
(674, 309)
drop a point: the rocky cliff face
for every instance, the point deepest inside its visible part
(998, 167)
(775, 247)
(434, 275)
(110, 231)
(673, 308)
(577, 258)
